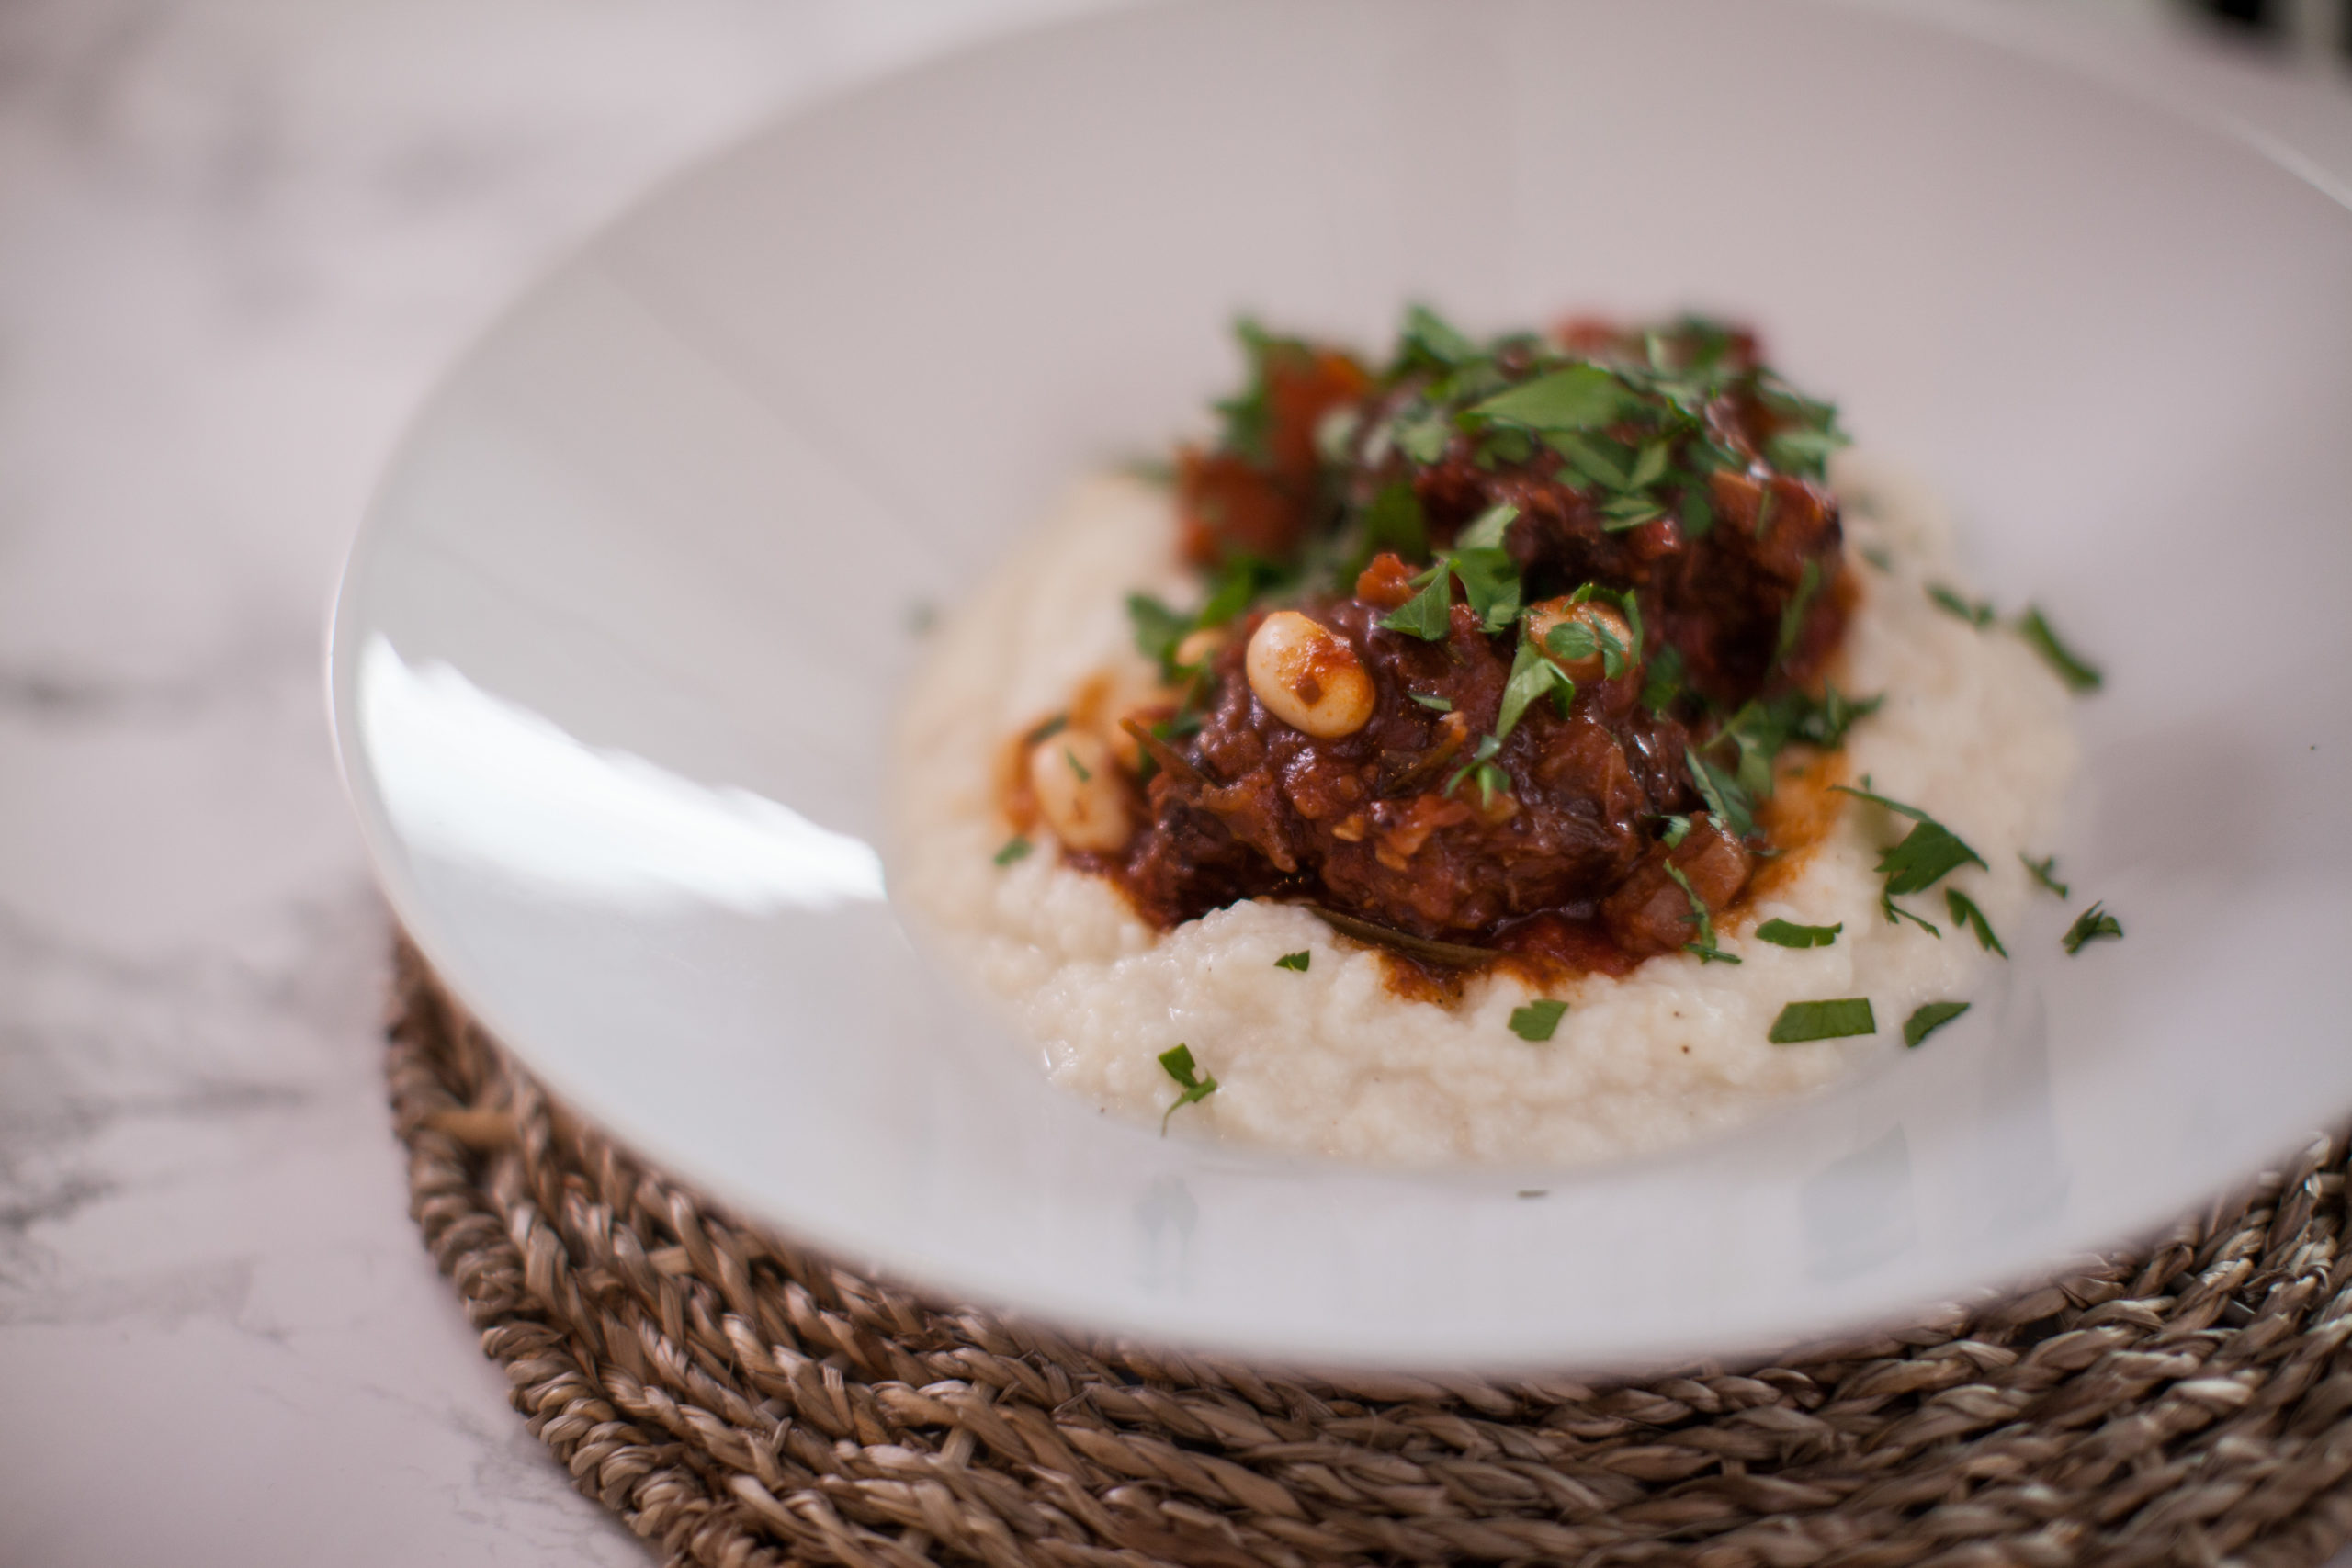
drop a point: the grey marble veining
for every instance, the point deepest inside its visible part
(238, 239)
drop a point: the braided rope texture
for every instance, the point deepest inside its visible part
(739, 1401)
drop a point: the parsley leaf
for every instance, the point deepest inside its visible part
(1394, 521)
(1580, 397)
(1427, 614)
(1157, 629)
(1896, 912)
(1787, 933)
(1015, 849)
(1831, 1019)
(2071, 666)
(1424, 440)
(1489, 581)
(1925, 855)
(1248, 415)
(1485, 530)
(1047, 729)
(1430, 701)
(1428, 338)
(2045, 871)
(1701, 916)
(1487, 747)
(1792, 613)
(1928, 1017)
(2094, 924)
(1538, 1020)
(1698, 513)
(1929, 851)
(1676, 829)
(1803, 452)
(1085, 775)
(1297, 960)
(1977, 615)
(1197, 1086)
(1238, 582)
(1663, 683)
(1968, 917)
(1725, 796)
(1532, 676)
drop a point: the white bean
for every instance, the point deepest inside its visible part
(1307, 676)
(1076, 781)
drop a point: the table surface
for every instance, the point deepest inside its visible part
(238, 241)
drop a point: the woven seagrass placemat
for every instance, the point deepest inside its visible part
(738, 1401)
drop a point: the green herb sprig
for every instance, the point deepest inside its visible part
(2078, 674)
(2045, 872)
(1930, 1017)
(1834, 1018)
(2093, 924)
(1967, 917)
(1787, 933)
(1538, 1020)
(1197, 1086)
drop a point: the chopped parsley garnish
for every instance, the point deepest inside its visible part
(1701, 916)
(1663, 682)
(1978, 614)
(1236, 585)
(1424, 440)
(1676, 829)
(1731, 803)
(1536, 1022)
(2072, 668)
(1969, 918)
(1489, 580)
(1575, 641)
(1247, 416)
(1532, 677)
(1085, 775)
(1760, 730)
(1895, 912)
(1157, 629)
(1196, 1085)
(1430, 338)
(1047, 730)
(1297, 960)
(1015, 849)
(1580, 397)
(1787, 933)
(1929, 851)
(1427, 614)
(1485, 530)
(2045, 871)
(1832, 1019)
(1432, 701)
(1926, 1020)
(1481, 759)
(1394, 521)
(2093, 924)
(1792, 613)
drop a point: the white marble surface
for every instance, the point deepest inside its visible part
(237, 241)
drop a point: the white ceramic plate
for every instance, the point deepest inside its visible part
(617, 647)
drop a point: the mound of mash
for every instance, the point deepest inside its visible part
(1974, 730)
